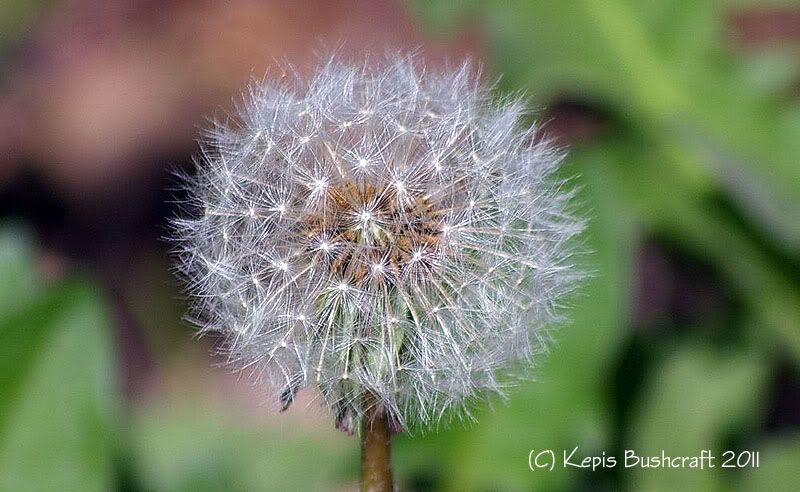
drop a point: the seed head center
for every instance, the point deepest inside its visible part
(378, 231)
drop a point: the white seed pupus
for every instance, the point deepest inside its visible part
(382, 231)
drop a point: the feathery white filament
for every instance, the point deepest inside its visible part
(378, 231)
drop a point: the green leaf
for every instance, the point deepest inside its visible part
(664, 200)
(56, 379)
(691, 405)
(777, 468)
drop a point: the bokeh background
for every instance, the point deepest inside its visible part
(683, 118)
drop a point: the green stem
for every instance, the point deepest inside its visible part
(376, 469)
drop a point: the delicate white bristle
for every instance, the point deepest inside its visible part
(407, 214)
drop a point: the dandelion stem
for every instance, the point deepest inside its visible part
(376, 470)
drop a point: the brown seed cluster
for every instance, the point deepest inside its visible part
(369, 233)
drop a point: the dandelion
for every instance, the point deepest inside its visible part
(390, 236)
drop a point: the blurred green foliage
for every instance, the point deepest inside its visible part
(699, 146)
(185, 448)
(57, 412)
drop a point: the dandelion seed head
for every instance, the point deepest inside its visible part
(408, 215)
